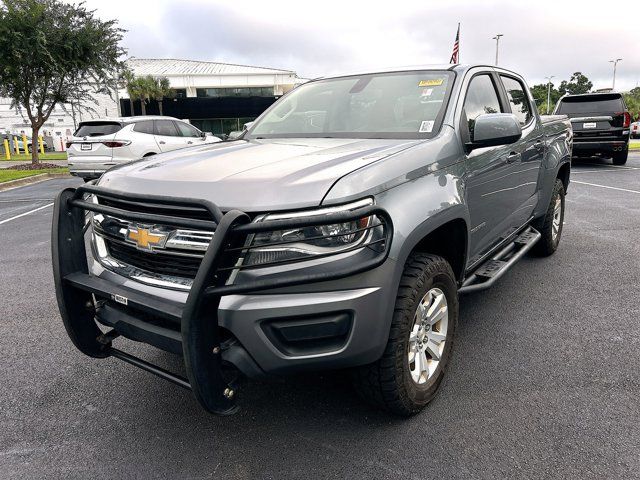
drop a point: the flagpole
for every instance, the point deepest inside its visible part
(459, 43)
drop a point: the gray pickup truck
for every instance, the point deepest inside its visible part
(336, 233)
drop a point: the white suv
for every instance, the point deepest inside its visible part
(99, 145)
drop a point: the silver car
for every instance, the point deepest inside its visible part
(98, 145)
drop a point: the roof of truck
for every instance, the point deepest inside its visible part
(457, 67)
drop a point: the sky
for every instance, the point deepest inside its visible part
(325, 37)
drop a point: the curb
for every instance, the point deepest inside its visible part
(21, 182)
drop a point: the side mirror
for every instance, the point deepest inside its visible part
(247, 126)
(492, 129)
(235, 134)
(203, 134)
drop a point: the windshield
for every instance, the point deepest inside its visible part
(591, 104)
(384, 105)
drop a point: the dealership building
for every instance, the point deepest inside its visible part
(215, 97)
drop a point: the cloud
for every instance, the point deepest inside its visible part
(320, 38)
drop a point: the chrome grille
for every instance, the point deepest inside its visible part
(174, 265)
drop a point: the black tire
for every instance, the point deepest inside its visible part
(549, 242)
(620, 158)
(388, 383)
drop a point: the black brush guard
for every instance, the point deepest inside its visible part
(76, 288)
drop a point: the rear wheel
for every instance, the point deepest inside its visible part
(620, 158)
(413, 364)
(550, 226)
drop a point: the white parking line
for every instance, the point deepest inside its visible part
(616, 167)
(25, 213)
(605, 186)
(574, 171)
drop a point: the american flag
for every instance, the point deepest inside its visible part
(455, 56)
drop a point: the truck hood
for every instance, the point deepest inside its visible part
(255, 175)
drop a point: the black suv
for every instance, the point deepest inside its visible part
(600, 124)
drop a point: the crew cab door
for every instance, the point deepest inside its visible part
(167, 135)
(491, 171)
(529, 150)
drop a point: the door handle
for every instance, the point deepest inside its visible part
(189, 142)
(512, 157)
(162, 142)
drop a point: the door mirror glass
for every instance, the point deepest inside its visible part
(492, 129)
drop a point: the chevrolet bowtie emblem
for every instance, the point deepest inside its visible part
(146, 239)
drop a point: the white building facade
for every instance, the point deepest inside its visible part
(215, 97)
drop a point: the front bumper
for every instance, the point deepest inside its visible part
(220, 321)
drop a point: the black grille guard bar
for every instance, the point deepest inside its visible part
(199, 320)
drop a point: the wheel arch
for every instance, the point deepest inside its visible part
(564, 172)
(446, 235)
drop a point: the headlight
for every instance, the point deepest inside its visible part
(311, 241)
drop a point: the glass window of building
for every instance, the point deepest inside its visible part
(235, 92)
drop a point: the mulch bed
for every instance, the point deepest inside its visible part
(37, 166)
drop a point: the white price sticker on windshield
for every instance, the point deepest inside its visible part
(426, 126)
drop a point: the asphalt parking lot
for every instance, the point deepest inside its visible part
(544, 381)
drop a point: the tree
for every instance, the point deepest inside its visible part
(632, 100)
(128, 79)
(160, 90)
(539, 93)
(53, 53)
(141, 88)
(578, 83)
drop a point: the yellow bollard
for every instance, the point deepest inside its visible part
(7, 150)
(15, 145)
(41, 145)
(24, 144)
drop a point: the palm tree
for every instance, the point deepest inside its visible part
(161, 89)
(132, 88)
(146, 86)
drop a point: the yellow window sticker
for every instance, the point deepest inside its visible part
(435, 82)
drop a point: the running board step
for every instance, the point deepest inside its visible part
(494, 268)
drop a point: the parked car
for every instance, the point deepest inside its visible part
(98, 145)
(600, 124)
(635, 130)
(337, 233)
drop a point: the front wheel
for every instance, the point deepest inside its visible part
(550, 226)
(414, 361)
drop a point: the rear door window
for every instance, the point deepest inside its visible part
(166, 128)
(591, 104)
(144, 127)
(518, 100)
(97, 129)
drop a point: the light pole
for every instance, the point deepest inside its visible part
(615, 64)
(497, 39)
(549, 92)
